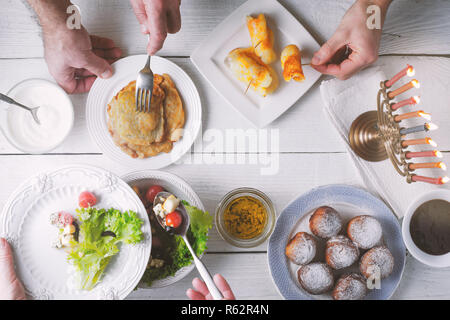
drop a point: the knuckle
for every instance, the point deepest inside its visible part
(326, 48)
(82, 62)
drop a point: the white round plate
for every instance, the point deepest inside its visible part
(125, 71)
(181, 190)
(349, 202)
(25, 224)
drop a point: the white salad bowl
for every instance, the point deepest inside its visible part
(4, 109)
(182, 190)
(438, 261)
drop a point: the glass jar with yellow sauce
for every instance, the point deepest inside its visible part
(245, 217)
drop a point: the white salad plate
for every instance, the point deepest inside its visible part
(232, 33)
(44, 270)
(125, 71)
(182, 190)
(349, 202)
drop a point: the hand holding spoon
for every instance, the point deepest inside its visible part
(181, 231)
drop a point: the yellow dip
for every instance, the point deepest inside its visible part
(245, 217)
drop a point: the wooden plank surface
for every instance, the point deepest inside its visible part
(303, 128)
(412, 27)
(249, 277)
(310, 153)
(211, 182)
(247, 272)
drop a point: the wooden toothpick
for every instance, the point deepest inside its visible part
(245, 92)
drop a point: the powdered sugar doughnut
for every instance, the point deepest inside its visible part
(341, 252)
(316, 278)
(365, 231)
(377, 259)
(325, 222)
(350, 287)
(302, 248)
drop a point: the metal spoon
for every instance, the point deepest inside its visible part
(181, 231)
(13, 102)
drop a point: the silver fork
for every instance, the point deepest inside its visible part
(144, 88)
(33, 111)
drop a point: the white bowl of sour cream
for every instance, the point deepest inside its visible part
(55, 114)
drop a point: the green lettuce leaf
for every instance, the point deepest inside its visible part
(201, 223)
(179, 255)
(94, 250)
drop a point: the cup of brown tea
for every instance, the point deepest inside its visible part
(426, 228)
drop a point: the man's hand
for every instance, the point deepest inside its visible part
(201, 291)
(353, 33)
(157, 17)
(75, 58)
(10, 286)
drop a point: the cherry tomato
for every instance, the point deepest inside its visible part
(152, 192)
(65, 218)
(174, 219)
(87, 199)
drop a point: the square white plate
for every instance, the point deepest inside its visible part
(232, 33)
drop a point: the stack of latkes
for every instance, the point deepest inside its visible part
(143, 135)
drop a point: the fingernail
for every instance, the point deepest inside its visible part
(107, 74)
(316, 59)
(2, 243)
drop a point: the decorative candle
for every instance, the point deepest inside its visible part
(412, 84)
(425, 127)
(440, 165)
(413, 142)
(421, 154)
(441, 180)
(409, 70)
(410, 101)
(430, 126)
(410, 115)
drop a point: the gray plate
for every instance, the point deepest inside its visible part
(349, 202)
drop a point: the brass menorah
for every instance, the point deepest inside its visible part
(377, 135)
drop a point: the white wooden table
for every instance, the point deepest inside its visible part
(310, 152)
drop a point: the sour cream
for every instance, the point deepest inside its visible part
(55, 114)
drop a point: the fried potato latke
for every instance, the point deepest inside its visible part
(143, 135)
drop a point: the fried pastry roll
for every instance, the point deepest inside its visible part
(249, 69)
(262, 38)
(291, 62)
